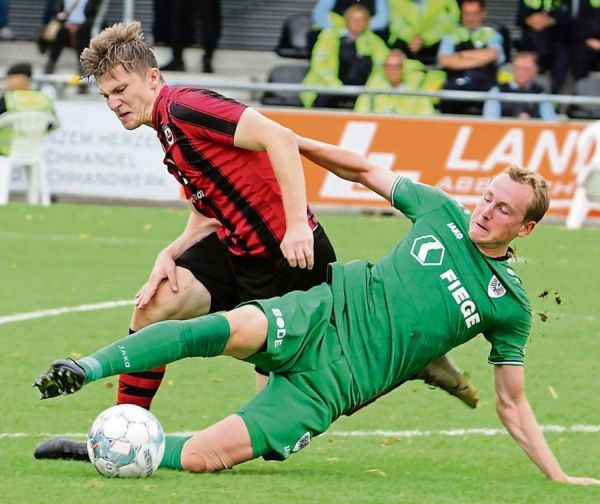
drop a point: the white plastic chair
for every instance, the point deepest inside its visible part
(29, 129)
(587, 194)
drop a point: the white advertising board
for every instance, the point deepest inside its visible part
(91, 154)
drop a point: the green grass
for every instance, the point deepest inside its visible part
(69, 255)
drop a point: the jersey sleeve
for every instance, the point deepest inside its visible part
(414, 199)
(207, 115)
(508, 341)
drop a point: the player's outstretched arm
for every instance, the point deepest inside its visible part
(518, 418)
(348, 165)
(259, 133)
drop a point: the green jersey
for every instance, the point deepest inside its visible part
(434, 291)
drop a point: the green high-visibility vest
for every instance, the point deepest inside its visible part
(18, 101)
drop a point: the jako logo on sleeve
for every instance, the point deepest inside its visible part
(281, 332)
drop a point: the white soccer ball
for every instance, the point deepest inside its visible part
(126, 441)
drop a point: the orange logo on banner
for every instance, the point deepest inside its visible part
(457, 155)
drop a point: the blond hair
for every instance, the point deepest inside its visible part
(538, 206)
(119, 44)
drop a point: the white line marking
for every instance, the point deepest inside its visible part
(80, 238)
(53, 312)
(555, 429)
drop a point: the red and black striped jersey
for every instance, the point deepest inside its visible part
(236, 186)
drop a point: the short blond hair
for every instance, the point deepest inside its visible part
(538, 206)
(119, 44)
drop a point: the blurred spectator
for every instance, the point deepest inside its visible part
(48, 11)
(399, 73)
(5, 31)
(471, 56)
(546, 29)
(344, 57)
(78, 17)
(174, 26)
(210, 18)
(19, 97)
(330, 14)
(586, 39)
(418, 26)
(525, 72)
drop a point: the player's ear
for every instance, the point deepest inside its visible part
(527, 228)
(154, 77)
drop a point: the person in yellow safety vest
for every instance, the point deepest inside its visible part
(400, 73)
(546, 29)
(344, 57)
(20, 97)
(417, 27)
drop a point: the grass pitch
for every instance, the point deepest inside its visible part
(396, 451)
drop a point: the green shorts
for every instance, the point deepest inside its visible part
(310, 384)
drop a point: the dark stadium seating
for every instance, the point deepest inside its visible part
(292, 74)
(293, 39)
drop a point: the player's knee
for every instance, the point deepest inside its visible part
(194, 462)
(202, 454)
(165, 305)
(147, 315)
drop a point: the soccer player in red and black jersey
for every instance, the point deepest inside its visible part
(250, 234)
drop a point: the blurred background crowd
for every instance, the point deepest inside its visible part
(505, 46)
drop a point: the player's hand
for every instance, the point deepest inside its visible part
(581, 481)
(164, 267)
(297, 246)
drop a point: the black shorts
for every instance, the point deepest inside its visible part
(232, 280)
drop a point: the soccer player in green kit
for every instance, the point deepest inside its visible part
(342, 344)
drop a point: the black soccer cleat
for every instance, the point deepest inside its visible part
(62, 448)
(64, 377)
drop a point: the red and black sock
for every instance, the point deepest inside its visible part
(140, 388)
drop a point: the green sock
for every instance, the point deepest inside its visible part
(173, 448)
(159, 344)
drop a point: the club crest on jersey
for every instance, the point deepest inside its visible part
(495, 288)
(169, 137)
(428, 250)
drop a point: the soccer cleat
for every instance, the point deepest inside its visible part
(64, 377)
(62, 448)
(443, 373)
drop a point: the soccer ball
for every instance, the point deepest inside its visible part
(126, 441)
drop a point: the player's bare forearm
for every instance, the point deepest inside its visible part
(348, 165)
(518, 418)
(287, 165)
(198, 227)
(345, 163)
